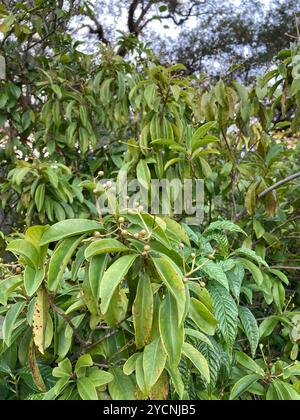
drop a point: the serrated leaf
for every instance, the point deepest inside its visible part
(224, 225)
(226, 312)
(215, 273)
(250, 327)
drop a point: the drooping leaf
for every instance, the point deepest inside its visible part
(226, 312)
(10, 320)
(60, 259)
(40, 318)
(173, 279)
(171, 334)
(154, 360)
(142, 311)
(250, 327)
(96, 271)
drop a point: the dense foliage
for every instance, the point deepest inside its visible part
(135, 305)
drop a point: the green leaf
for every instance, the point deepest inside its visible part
(60, 259)
(176, 231)
(197, 359)
(224, 225)
(63, 370)
(250, 199)
(173, 279)
(243, 385)
(176, 379)
(142, 311)
(39, 197)
(96, 271)
(235, 279)
(246, 252)
(26, 250)
(280, 275)
(176, 92)
(248, 363)
(154, 360)
(171, 335)
(201, 131)
(202, 316)
(226, 313)
(122, 387)
(140, 375)
(254, 270)
(282, 391)
(67, 228)
(99, 377)
(149, 94)
(83, 362)
(112, 278)
(33, 279)
(295, 88)
(250, 327)
(105, 246)
(215, 273)
(7, 287)
(197, 334)
(86, 389)
(143, 174)
(10, 320)
(267, 327)
(129, 365)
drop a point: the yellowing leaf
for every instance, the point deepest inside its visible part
(40, 318)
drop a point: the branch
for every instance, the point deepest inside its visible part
(61, 313)
(268, 190)
(284, 267)
(278, 184)
(132, 26)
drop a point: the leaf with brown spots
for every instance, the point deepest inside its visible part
(40, 318)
